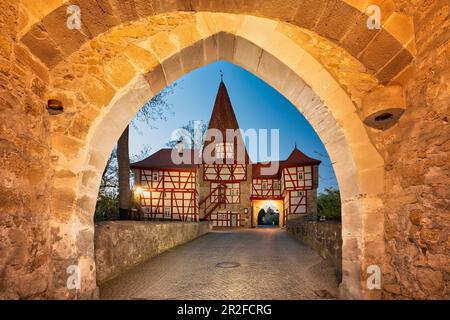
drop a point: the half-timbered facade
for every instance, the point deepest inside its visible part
(167, 191)
(222, 185)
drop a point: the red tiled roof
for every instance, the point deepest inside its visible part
(299, 158)
(162, 159)
(296, 158)
(223, 118)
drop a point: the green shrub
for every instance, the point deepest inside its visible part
(329, 204)
(107, 208)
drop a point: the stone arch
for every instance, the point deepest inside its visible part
(385, 52)
(277, 59)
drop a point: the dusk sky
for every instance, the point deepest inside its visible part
(256, 104)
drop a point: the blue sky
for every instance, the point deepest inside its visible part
(256, 104)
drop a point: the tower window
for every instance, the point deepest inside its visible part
(225, 150)
(300, 176)
(297, 193)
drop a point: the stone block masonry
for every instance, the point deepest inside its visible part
(324, 237)
(394, 182)
(120, 245)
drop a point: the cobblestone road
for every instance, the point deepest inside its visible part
(272, 266)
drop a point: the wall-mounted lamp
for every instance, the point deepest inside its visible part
(383, 107)
(139, 190)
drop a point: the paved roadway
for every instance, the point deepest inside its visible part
(272, 265)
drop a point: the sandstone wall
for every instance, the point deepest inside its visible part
(324, 237)
(26, 260)
(416, 150)
(120, 245)
(39, 233)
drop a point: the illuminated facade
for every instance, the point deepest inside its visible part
(222, 185)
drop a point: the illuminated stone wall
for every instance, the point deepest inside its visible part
(319, 54)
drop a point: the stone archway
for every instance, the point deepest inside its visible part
(269, 216)
(72, 153)
(278, 60)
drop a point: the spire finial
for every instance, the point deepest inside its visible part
(221, 75)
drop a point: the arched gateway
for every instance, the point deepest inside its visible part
(345, 78)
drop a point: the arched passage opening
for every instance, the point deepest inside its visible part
(269, 216)
(48, 227)
(141, 64)
(317, 95)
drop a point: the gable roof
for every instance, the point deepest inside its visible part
(296, 158)
(162, 159)
(299, 158)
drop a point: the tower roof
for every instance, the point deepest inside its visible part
(223, 118)
(299, 158)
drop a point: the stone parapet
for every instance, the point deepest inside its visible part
(120, 245)
(324, 237)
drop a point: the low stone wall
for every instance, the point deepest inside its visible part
(120, 245)
(324, 237)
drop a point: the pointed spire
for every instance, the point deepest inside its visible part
(223, 117)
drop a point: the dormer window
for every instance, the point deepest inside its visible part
(225, 150)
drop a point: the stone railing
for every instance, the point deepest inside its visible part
(323, 236)
(120, 245)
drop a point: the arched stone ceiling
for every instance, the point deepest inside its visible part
(385, 53)
(99, 58)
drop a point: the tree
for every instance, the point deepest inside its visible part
(108, 201)
(329, 203)
(109, 185)
(153, 110)
(193, 134)
(107, 207)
